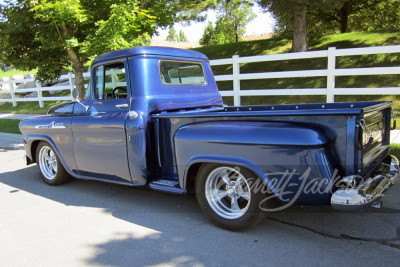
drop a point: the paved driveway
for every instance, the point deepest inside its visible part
(89, 223)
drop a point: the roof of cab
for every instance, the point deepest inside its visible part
(152, 50)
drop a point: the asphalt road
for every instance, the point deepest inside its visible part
(88, 223)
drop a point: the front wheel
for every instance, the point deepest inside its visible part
(229, 195)
(50, 167)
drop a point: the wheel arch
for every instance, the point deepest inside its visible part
(32, 142)
(33, 149)
(195, 164)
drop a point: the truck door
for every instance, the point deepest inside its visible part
(99, 134)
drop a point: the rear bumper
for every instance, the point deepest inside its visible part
(371, 190)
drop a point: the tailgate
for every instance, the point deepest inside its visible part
(374, 136)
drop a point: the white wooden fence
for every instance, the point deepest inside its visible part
(330, 72)
(39, 90)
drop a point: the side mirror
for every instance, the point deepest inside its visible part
(75, 95)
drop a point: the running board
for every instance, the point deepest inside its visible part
(167, 186)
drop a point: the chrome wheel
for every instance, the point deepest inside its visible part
(47, 162)
(227, 192)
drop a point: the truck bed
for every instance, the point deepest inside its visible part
(359, 131)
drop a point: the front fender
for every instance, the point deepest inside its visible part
(31, 141)
(57, 131)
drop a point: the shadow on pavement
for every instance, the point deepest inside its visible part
(181, 225)
(11, 147)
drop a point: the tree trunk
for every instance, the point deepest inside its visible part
(78, 70)
(344, 19)
(77, 65)
(299, 29)
(236, 27)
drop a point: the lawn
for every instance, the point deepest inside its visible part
(13, 72)
(32, 107)
(395, 150)
(282, 44)
(9, 126)
(65, 71)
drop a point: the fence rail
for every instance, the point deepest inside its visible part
(236, 77)
(39, 89)
(330, 72)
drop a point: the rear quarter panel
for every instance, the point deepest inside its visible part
(281, 154)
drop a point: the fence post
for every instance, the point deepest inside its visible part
(113, 79)
(330, 87)
(39, 94)
(12, 87)
(71, 82)
(236, 80)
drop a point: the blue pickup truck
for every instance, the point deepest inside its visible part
(153, 116)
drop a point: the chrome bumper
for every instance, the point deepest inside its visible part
(371, 190)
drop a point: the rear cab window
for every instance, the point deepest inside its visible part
(181, 73)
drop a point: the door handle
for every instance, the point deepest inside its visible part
(122, 106)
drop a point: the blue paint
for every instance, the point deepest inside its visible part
(178, 127)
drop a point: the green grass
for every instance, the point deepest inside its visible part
(32, 107)
(9, 126)
(27, 107)
(395, 150)
(13, 72)
(281, 44)
(66, 70)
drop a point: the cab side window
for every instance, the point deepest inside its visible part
(110, 82)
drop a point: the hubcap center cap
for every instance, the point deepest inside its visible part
(231, 190)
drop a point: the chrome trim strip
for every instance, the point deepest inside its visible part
(52, 125)
(371, 190)
(122, 106)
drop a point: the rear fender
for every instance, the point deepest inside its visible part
(267, 149)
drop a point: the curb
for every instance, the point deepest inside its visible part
(9, 141)
(17, 116)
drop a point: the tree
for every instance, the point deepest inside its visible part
(50, 35)
(291, 16)
(294, 10)
(182, 37)
(384, 15)
(232, 18)
(218, 34)
(329, 16)
(358, 15)
(208, 35)
(299, 43)
(171, 35)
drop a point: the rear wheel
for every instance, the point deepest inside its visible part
(229, 195)
(50, 168)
